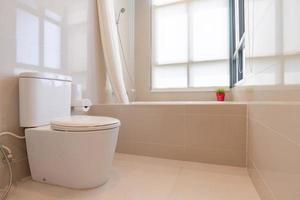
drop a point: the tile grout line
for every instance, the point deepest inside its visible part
(172, 190)
(263, 180)
(275, 131)
(247, 135)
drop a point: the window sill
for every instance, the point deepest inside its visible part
(204, 89)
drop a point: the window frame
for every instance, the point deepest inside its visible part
(237, 42)
(189, 88)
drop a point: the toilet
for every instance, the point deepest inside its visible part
(64, 150)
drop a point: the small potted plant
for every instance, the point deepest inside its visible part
(220, 93)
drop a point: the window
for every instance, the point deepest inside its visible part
(237, 41)
(190, 44)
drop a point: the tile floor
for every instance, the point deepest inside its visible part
(145, 178)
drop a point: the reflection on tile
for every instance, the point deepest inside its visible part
(31, 3)
(27, 35)
(54, 16)
(52, 45)
(137, 177)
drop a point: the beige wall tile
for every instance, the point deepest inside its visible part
(126, 147)
(154, 150)
(282, 118)
(20, 170)
(263, 190)
(218, 109)
(152, 126)
(215, 155)
(205, 133)
(266, 93)
(9, 121)
(161, 151)
(277, 159)
(222, 132)
(105, 110)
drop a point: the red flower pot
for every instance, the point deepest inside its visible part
(220, 96)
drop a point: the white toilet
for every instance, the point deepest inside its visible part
(64, 150)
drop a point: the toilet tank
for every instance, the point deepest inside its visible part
(43, 97)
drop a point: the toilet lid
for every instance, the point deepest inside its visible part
(84, 123)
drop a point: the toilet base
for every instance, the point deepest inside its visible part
(78, 160)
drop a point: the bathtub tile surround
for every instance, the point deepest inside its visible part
(274, 149)
(162, 179)
(273, 140)
(271, 86)
(205, 132)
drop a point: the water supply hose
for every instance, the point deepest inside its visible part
(6, 158)
(13, 135)
(7, 154)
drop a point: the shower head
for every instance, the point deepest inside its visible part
(122, 11)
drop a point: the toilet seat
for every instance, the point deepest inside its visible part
(84, 123)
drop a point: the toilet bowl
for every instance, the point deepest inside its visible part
(64, 150)
(75, 156)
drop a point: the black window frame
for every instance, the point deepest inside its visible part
(237, 41)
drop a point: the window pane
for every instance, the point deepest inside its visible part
(209, 74)
(292, 70)
(291, 26)
(170, 34)
(263, 26)
(164, 2)
(210, 30)
(242, 18)
(169, 77)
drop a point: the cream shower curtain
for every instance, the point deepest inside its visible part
(111, 49)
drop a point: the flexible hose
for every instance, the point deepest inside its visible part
(8, 158)
(4, 196)
(130, 79)
(13, 135)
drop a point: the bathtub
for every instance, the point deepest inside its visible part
(201, 131)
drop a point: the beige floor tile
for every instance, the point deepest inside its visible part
(212, 182)
(146, 178)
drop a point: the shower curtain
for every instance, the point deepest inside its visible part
(111, 49)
